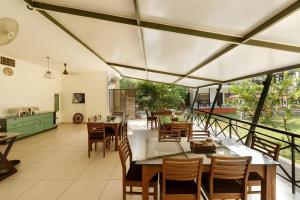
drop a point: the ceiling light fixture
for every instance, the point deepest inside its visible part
(48, 74)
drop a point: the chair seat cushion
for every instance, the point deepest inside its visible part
(135, 173)
(181, 187)
(253, 176)
(222, 185)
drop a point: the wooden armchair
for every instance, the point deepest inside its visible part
(133, 176)
(173, 134)
(267, 148)
(228, 178)
(96, 133)
(181, 179)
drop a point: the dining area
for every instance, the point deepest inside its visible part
(178, 160)
(59, 160)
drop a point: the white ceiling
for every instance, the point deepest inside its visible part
(233, 17)
(245, 60)
(38, 38)
(164, 51)
(116, 42)
(115, 7)
(286, 31)
(177, 53)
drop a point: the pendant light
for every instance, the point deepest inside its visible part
(48, 74)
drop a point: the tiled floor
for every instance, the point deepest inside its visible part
(55, 166)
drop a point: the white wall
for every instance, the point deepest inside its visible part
(27, 87)
(95, 87)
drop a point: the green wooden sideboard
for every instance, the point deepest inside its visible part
(28, 125)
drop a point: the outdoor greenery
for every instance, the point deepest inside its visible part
(278, 108)
(278, 111)
(153, 95)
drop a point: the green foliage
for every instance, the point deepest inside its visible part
(153, 95)
(247, 97)
(281, 100)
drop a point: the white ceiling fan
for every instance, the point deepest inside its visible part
(8, 30)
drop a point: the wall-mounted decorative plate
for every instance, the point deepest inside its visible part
(8, 71)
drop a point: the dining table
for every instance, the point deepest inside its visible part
(151, 161)
(114, 123)
(7, 167)
(167, 120)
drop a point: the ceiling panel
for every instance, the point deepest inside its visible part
(161, 77)
(234, 17)
(176, 53)
(133, 73)
(247, 60)
(118, 43)
(39, 38)
(192, 82)
(286, 31)
(116, 7)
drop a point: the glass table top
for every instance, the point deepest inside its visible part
(155, 151)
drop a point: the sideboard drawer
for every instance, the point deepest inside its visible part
(14, 121)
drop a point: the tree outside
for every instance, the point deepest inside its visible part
(153, 95)
(280, 107)
(281, 101)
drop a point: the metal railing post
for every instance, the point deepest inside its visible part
(259, 108)
(230, 127)
(213, 106)
(293, 165)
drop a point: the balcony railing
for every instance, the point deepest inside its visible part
(227, 127)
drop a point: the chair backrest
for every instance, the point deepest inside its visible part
(117, 114)
(198, 135)
(224, 167)
(179, 126)
(232, 168)
(125, 153)
(182, 170)
(265, 147)
(96, 128)
(124, 127)
(165, 112)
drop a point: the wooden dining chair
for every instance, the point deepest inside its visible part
(96, 133)
(267, 148)
(124, 128)
(197, 135)
(133, 176)
(173, 134)
(227, 178)
(181, 179)
(151, 118)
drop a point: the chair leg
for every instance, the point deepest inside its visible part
(95, 146)
(89, 149)
(124, 192)
(155, 192)
(104, 147)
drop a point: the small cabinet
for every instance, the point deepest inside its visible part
(29, 124)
